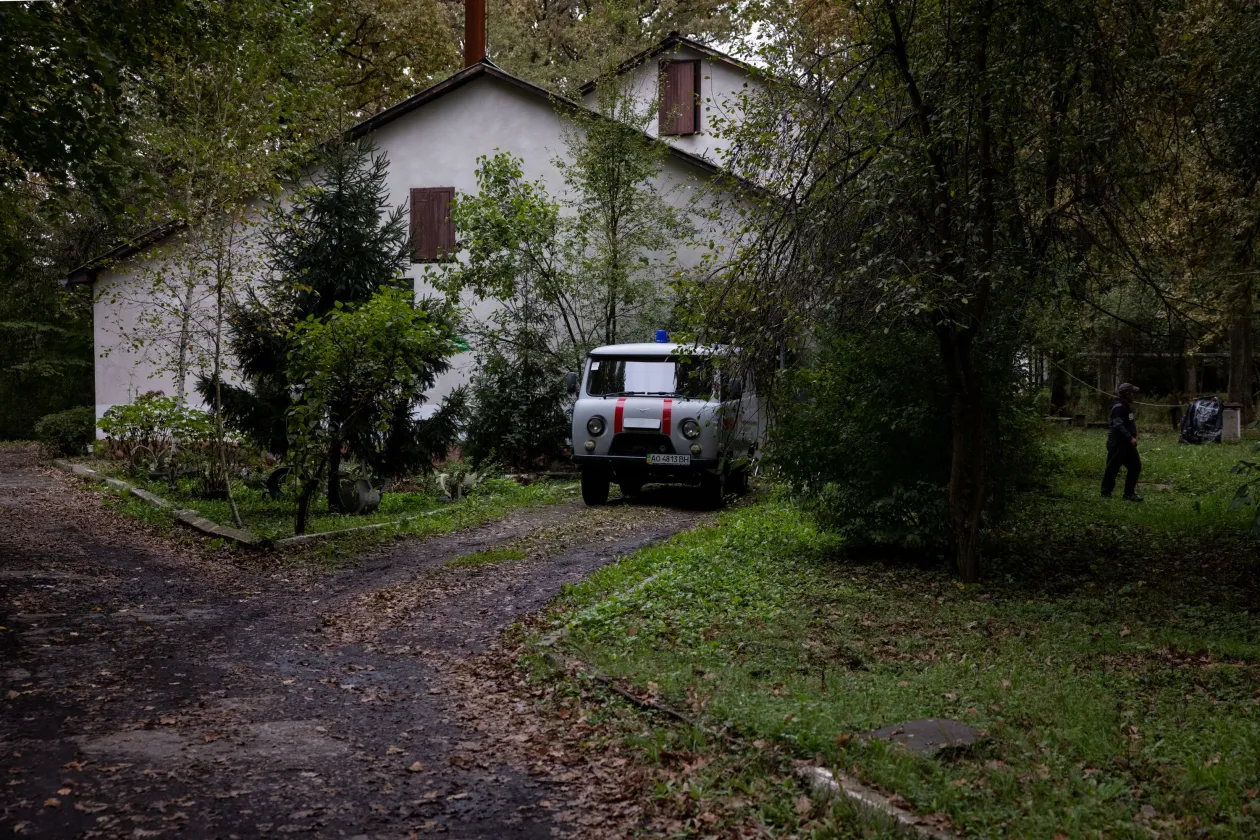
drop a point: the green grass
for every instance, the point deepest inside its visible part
(488, 557)
(1112, 653)
(414, 515)
(273, 519)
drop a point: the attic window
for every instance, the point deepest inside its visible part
(432, 231)
(680, 98)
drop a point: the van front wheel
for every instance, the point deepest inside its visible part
(712, 490)
(594, 486)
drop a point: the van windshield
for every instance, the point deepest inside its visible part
(669, 376)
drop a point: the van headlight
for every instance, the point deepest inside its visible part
(690, 428)
(595, 426)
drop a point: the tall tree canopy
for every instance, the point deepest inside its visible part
(562, 44)
(938, 167)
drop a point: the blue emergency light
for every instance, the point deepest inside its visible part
(662, 337)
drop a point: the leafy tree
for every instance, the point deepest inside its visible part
(64, 72)
(45, 331)
(353, 371)
(940, 167)
(622, 222)
(517, 256)
(389, 49)
(1211, 54)
(566, 275)
(583, 271)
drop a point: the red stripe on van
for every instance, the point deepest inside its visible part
(667, 413)
(617, 414)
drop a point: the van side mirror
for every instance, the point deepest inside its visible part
(735, 389)
(571, 382)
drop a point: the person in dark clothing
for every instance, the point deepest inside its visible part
(1122, 446)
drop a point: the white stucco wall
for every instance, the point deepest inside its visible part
(437, 145)
(721, 85)
(136, 321)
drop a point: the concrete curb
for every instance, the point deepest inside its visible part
(825, 783)
(193, 519)
(187, 516)
(319, 535)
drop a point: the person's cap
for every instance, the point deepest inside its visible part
(1126, 387)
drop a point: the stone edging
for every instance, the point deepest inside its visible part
(318, 535)
(187, 516)
(826, 783)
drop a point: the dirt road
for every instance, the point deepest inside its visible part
(153, 691)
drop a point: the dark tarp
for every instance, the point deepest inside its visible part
(1202, 423)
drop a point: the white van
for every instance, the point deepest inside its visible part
(660, 412)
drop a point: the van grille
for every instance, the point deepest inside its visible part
(640, 445)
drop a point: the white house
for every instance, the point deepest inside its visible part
(432, 141)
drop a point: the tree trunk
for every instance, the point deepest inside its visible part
(334, 475)
(304, 498)
(1240, 355)
(965, 497)
(185, 336)
(220, 441)
(1058, 384)
(304, 504)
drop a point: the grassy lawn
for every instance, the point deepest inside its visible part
(1112, 654)
(272, 519)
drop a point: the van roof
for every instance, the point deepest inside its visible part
(652, 348)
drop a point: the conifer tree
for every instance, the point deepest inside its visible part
(333, 239)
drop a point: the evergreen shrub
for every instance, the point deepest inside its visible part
(863, 439)
(67, 432)
(518, 413)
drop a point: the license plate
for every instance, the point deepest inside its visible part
(670, 460)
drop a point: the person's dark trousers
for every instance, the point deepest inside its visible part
(1122, 455)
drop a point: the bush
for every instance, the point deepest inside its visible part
(863, 437)
(141, 432)
(67, 432)
(518, 412)
(158, 434)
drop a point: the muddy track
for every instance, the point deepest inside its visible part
(153, 691)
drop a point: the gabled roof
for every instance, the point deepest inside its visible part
(672, 42)
(485, 67)
(87, 272)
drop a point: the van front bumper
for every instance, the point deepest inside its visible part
(638, 463)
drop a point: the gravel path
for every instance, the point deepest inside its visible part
(151, 690)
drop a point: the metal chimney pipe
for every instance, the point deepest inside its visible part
(474, 31)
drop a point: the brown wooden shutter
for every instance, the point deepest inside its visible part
(432, 231)
(680, 99)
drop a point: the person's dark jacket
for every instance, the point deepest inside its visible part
(1123, 425)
